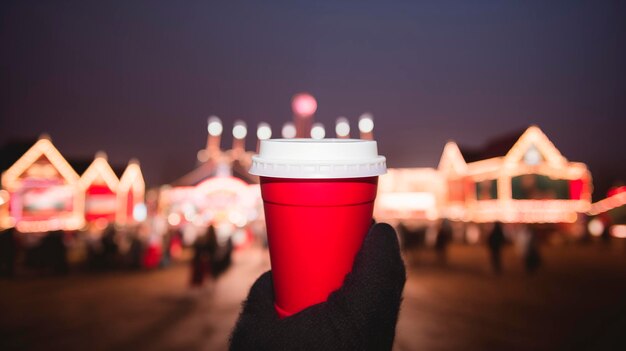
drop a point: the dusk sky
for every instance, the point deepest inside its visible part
(139, 78)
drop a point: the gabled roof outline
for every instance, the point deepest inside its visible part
(533, 136)
(132, 175)
(99, 167)
(43, 147)
(452, 159)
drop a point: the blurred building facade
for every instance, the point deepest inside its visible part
(517, 180)
(42, 191)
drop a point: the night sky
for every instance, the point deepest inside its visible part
(139, 78)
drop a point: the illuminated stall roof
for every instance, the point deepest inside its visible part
(132, 178)
(608, 203)
(42, 148)
(452, 161)
(130, 191)
(70, 218)
(531, 153)
(533, 137)
(533, 150)
(212, 168)
(99, 169)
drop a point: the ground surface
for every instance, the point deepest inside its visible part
(577, 301)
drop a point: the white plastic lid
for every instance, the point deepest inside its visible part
(318, 159)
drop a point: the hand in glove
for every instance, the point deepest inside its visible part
(361, 315)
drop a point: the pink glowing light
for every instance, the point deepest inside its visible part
(303, 105)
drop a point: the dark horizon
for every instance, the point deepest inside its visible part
(139, 80)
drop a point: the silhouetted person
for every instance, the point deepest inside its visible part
(220, 256)
(109, 246)
(532, 258)
(136, 251)
(495, 243)
(166, 255)
(444, 236)
(8, 252)
(200, 261)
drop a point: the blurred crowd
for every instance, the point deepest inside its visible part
(111, 249)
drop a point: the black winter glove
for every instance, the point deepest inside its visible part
(361, 315)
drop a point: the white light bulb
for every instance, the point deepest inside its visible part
(264, 132)
(342, 128)
(239, 130)
(366, 123)
(289, 131)
(318, 132)
(215, 126)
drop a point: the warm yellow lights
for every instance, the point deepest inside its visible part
(595, 227)
(44, 162)
(452, 161)
(453, 186)
(99, 169)
(47, 161)
(43, 147)
(130, 192)
(608, 204)
(618, 231)
(533, 136)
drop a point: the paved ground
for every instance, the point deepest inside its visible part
(576, 302)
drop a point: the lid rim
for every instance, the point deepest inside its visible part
(318, 159)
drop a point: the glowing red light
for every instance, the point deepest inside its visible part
(303, 105)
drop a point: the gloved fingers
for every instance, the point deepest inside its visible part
(260, 300)
(257, 315)
(378, 272)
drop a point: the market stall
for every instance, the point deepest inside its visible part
(100, 185)
(43, 190)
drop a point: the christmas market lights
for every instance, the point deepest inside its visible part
(264, 131)
(44, 191)
(366, 126)
(607, 204)
(100, 185)
(342, 128)
(99, 169)
(495, 189)
(130, 193)
(288, 131)
(318, 131)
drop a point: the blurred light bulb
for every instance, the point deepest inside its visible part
(289, 131)
(595, 227)
(263, 132)
(342, 128)
(318, 131)
(203, 155)
(303, 105)
(366, 123)
(215, 126)
(240, 130)
(173, 219)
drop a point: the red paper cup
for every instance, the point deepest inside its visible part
(317, 213)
